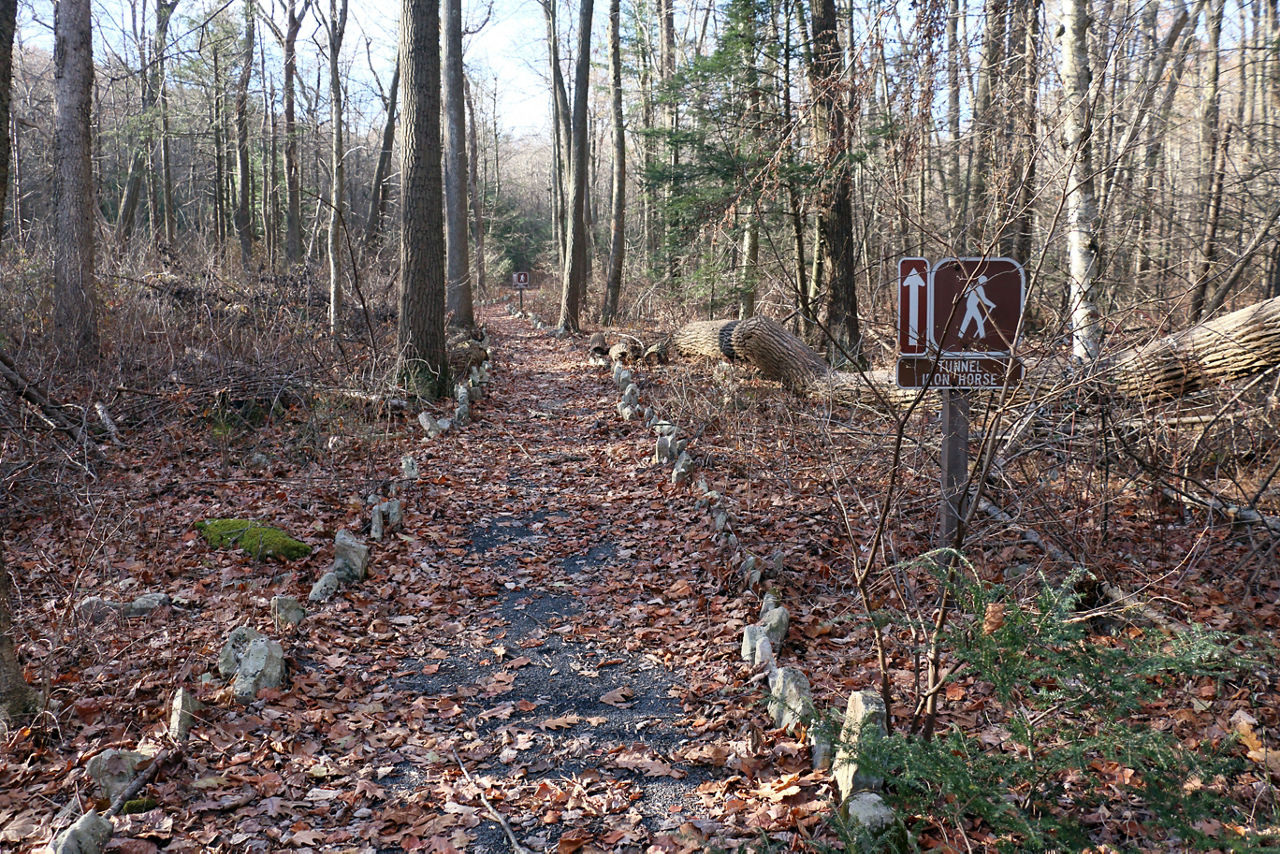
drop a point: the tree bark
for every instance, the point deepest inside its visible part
(288, 39)
(618, 207)
(378, 193)
(473, 189)
(244, 210)
(840, 254)
(421, 287)
(457, 257)
(8, 24)
(75, 301)
(1082, 206)
(337, 154)
(575, 269)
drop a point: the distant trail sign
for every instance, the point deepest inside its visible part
(522, 282)
(956, 325)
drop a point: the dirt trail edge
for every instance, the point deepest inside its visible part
(547, 621)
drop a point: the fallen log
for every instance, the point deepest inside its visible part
(1236, 345)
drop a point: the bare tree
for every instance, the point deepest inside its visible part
(574, 282)
(618, 208)
(75, 301)
(421, 327)
(244, 174)
(288, 39)
(473, 189)
(337, 26)
(378, 191)
(1082, 205)
(457, 256)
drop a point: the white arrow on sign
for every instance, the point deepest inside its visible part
(914, 282)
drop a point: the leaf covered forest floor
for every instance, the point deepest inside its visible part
(553, 634)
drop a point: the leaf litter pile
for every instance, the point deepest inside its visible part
(547, 649)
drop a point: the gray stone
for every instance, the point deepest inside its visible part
(286, 611)
(790, 698)
(864, 717)
(720, 520)
(375, 523)
(462, 414)
(262, 666)
(682, 469)
(433, 426)
(95, 609)
(325, 587)
(350, 557)
(867, 809)
(409, 465)
(631, 394)
(86, 836)
(113, 770)
(820, 747)
(666, 428)
(233, 650)
(662, 450)
(146, 603)
(182, 713)
(625, 410)
(768, 602)
(394, 510)
(258, 460)
(775, 623)
(622, 378)
(750, 637)
(764, 655)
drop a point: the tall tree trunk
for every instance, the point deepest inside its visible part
(457, 256)
(219, 152)
(985, 135)
(575, 268)
(337, 153)
(618, 208)
(75, 313)
(1082, 208)
(1210, 135)
(164, 11)
(836, 221)
(244, 211)
(8, 24)
(153, 84)
(421, 286)
(473, 190)
(378, 193)
(671, 120)
(560, 135)
(288, 39)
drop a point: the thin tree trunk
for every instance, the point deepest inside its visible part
(337, 154)
(575, 269)
(561, 134)
(1082, 209)
(288, 39)
(1210, 136)
(378, 193)
(244, 212)
(457, 255)
(618, 207)
(473, 190)
(75, 302)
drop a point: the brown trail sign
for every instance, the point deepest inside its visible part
(957, 322)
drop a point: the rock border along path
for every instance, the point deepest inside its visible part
(546, 655)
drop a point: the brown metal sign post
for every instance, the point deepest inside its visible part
(956, 329)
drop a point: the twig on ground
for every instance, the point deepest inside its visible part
(493, 813)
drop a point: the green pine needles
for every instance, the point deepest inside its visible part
(1071, 736)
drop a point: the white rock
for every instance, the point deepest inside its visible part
(631, 394)
(182, 713)
(764, 656)
(751, 635)
(867, 809)
(86, 836)
(262, 666)
(394, 509)
(681, 470)
(622, 378)
(775, 624)
(233, 650)
(864, 715)
(350, 557)
(375, 523)
(324, 588)
(146, 603)
(790, 698)
(287, 611)
(665, 428)
(768, 602)
(409, 465)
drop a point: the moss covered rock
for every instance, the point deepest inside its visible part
(261, 541)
